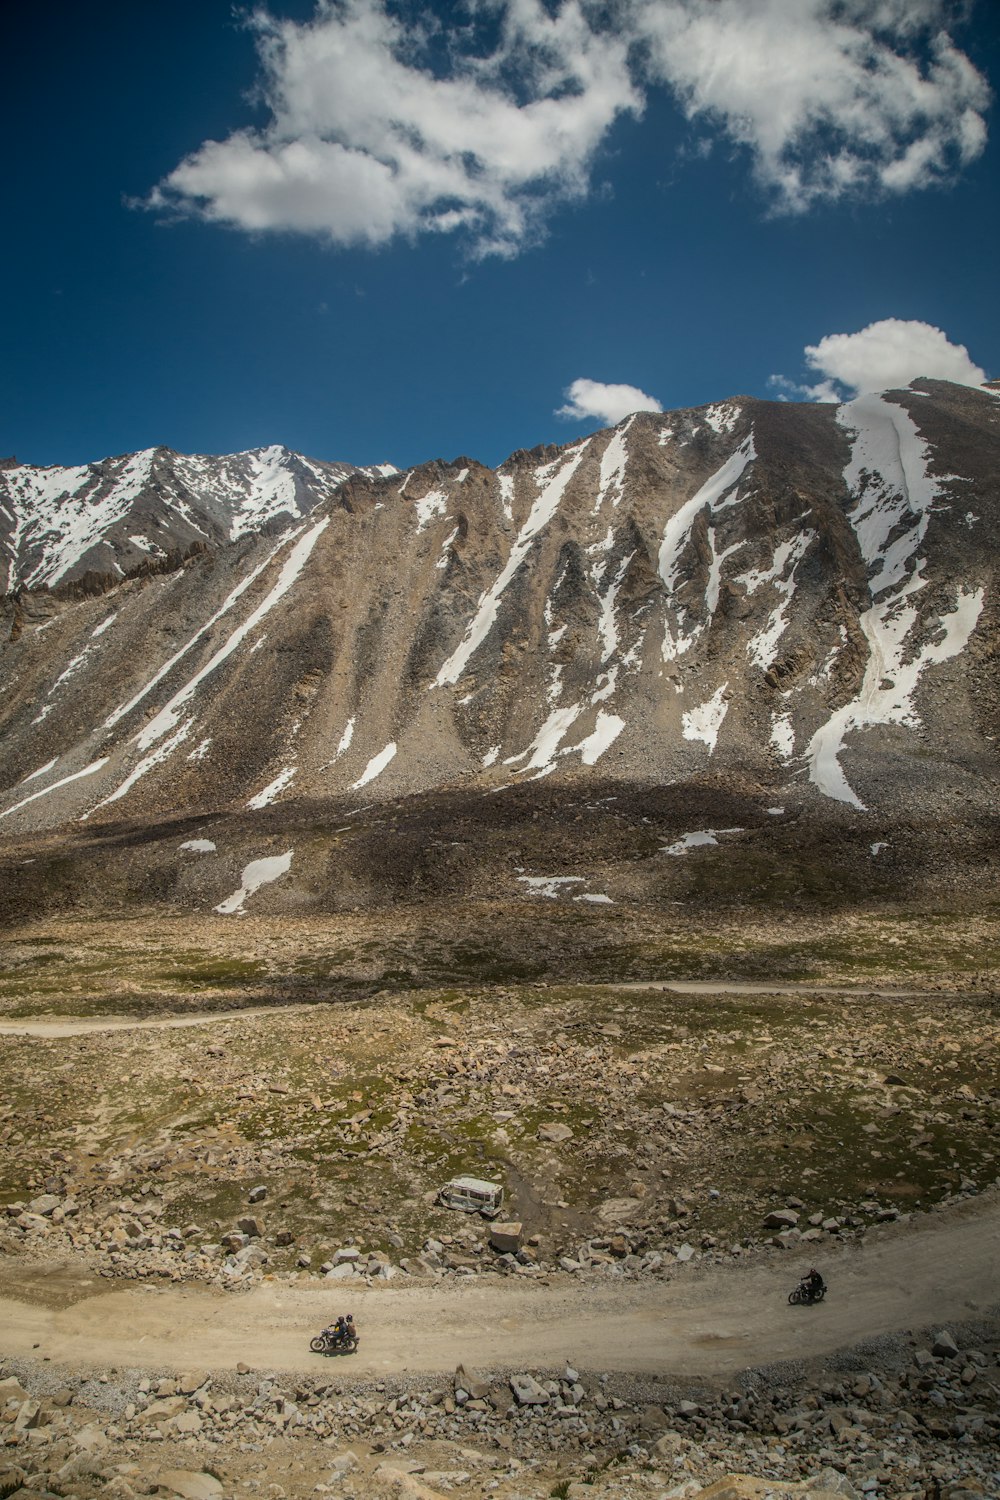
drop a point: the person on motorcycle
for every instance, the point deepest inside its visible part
(813, 1284)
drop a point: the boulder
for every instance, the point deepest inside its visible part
(477, 1389)
(506, 1237)
(251, 1226)
(781, 1218)
(43, 1205)
(192, 1381)
(944, 1345)
(257, 1194)
(527, 1391)
(189, 1484)
(554, 1130)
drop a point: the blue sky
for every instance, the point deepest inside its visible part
(421, 224)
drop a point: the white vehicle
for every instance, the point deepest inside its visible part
(471, 1195)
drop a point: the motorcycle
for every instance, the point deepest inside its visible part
(332, 1341)
(806, 1294)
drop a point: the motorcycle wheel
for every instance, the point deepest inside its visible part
(318, 1345)
(349, 1345)
(795, 1297)
(820, 1294)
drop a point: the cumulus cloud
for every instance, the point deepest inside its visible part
(590, 399)
(368, 141)
(381, 126)
(883, 356)
(830, 97)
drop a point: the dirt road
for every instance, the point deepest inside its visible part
(714, 1321)
(59, 1028)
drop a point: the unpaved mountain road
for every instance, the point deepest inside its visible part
(55, 1028)
(712, 1321)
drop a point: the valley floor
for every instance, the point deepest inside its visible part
(215, 1136)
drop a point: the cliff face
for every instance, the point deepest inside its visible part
(797, 598)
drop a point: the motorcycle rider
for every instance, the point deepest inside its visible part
(813, 1284)
(344, 1328)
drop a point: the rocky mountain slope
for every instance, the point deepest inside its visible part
(115, 517)
(793, 604)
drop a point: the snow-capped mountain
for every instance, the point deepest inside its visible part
(797, 603)
(110, 517)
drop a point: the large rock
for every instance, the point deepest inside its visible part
(554, 1130)
(527, 1391)
(506, 1237)
(189, 1484)
(43, 1205)
(781, 1218)
(476, 1388)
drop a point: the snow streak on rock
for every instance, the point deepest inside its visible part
(613, 463)
(167, 717)
(894, 495)
(90, 770)
(272, 792)
(375, 766)
(763, 647)
(716, 494)
(552, 480)
(154, 758)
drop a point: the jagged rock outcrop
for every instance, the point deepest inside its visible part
(110, 519)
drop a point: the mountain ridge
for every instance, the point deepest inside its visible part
(799, 599)
(106, 518)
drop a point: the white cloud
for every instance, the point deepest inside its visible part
(367, 141)
(829, 96)
(883, 356)
(382, 126)
(608, 403)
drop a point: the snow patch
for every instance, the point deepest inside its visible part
(723, 417)
(549, 885)
(154, 758)
(199, 846)
(257, 873)
(375, 766)
(889, 476)
(604, 734)
(705, 721)
(705, 837)
(274, 789)
(434, 503)
(783, 735)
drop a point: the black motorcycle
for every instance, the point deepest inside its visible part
(334, 1340)
(806, 1293)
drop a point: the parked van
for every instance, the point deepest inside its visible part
(471, 1195)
